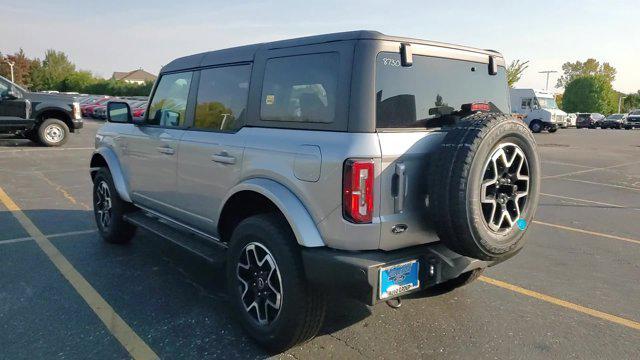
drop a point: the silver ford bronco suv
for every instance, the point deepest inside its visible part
(370, 165)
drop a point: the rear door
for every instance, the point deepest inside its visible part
(412, 105)
(211, 151)
(152, 148)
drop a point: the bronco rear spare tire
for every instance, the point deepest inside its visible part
(484, 185)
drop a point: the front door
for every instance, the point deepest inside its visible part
(152, 148)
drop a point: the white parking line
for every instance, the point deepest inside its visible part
(5, 150)
(589, 201)
(568, 228)
(568, 164)
(589, 170)
(601, 184)
(29, 238)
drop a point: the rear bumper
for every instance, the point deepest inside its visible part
(632, 125)
(356, 273)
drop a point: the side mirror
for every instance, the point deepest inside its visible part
(119, 112)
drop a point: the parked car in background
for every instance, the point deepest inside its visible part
(47, 119)
(138, 113)
(599, 118)
(588, 120)
(633, 120)
(100, 111)
(613, 121)
(571, 119)
(87, 110)
(539, 109)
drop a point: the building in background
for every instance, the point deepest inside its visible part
(138, 76)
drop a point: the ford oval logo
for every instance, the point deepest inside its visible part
(398, 229)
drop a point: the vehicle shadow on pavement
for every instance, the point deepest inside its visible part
(15, 142)
(167, 294)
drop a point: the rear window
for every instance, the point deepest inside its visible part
(300, 88)
(637, 112)
(433, 90)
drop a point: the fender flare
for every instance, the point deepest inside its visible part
(116, 171)
(301, 222)
(43, 107)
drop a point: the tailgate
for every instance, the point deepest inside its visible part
(403, 187)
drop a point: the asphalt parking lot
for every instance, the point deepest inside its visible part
(573, 292)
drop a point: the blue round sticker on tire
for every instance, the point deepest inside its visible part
(522, 224)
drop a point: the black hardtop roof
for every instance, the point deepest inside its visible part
(246, 53)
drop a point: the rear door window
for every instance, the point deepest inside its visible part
(433, 89)
(169, 104)
(222, 98)
(300, 88)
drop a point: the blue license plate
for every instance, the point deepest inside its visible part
(399, 278)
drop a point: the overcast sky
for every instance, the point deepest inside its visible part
(123, 35)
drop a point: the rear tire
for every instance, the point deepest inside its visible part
(481, 195)
(553, 129)
(53, 132)
(293, 309)
(109, 210)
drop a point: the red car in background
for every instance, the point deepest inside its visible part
(87, 110)
(138, 109)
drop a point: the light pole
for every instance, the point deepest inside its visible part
(11, 63)
(620, 103)
(547, 72)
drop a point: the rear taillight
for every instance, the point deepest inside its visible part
(475, 107)
(357, 190)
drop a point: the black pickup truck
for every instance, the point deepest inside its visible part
(43, 118)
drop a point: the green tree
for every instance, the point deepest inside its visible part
(515, 70)
(590, 93)
(631, 102)
(57, 72)
(77, 81)
(55, 68)
(589, 67)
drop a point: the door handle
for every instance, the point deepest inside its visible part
(223, 158)
(166, 150)
(400, 188)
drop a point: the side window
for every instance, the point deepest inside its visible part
(222, 97)
(526, 103)
(169, 103)
(4, 88)
(300, 88)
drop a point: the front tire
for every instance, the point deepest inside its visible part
(536, 126)
(267, 286)
(109, 210)
(53, 132)
(553, 129)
